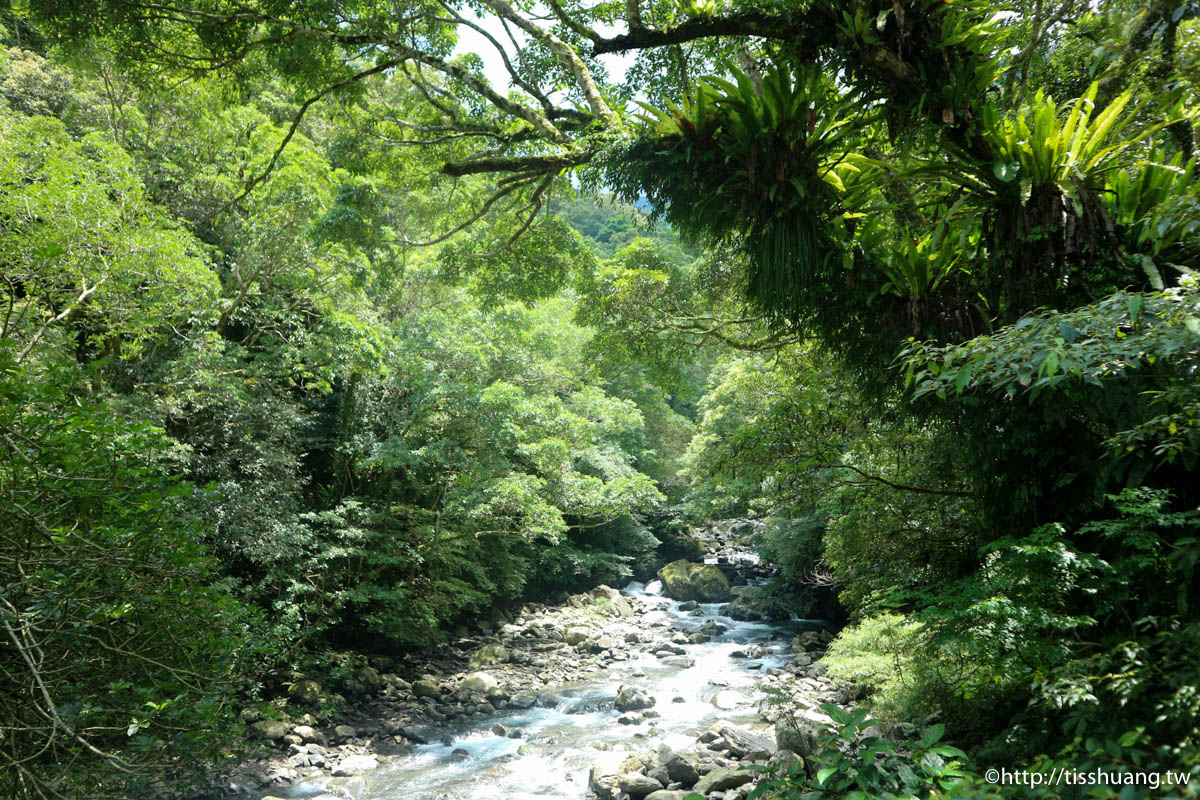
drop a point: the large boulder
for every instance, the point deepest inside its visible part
(271, 729)
(622, 607)
(741, 609)
(575, 636)
(602, 783)
(479, 682)
(684, 580)
(609, 598)
(349, 788)
(305, 692)
(744, 744)
(364, 680)
(489, 655)
(307, 732)
(680, 769)
(631, 698)
(637, 785)
(728, 699)
(725, 778)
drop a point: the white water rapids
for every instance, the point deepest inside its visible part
(557, 746)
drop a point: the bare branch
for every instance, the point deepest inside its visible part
(532, 90)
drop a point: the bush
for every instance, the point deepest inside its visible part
(121, 650)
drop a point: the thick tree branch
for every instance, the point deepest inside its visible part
(555, 162)
(899, 486)
(751, 23)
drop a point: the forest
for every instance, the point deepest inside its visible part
(328, 329)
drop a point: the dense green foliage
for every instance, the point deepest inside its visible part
(235, 437)
(290, 274)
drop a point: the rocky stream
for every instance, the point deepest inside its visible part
(655, 691)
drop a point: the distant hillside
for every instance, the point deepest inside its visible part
(608, 225)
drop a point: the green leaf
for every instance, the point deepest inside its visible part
(932, 735)
(1005, 171)
(962, 379)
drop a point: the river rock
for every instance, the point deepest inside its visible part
(479, 682)
(637, 785)
(355, 765)
(305, 692)
(727, 699)
(724, 778)
(631, 698)
(396, 682)
(684, 580)
(668, 794)
(426, 688)
(602, 643)
(808, 640)
(616, 601)
(797, 731)
(270, 729)
(412, 734)
(601, 783)
(744, 744)
(307, 733)
(740, 610)
(575, 636)
(750, 651)
(489, 655)
(364, 680)
(343, 732)
(679, 768)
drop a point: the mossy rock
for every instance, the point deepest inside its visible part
(685, 580)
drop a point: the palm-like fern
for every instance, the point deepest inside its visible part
(757, 159)
(1039, 148)
(1157, 205)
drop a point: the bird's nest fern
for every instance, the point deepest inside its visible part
(749, 159)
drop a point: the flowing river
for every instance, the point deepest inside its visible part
(550, 750)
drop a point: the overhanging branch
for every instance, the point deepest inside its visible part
(815, 29)
(517, 164)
